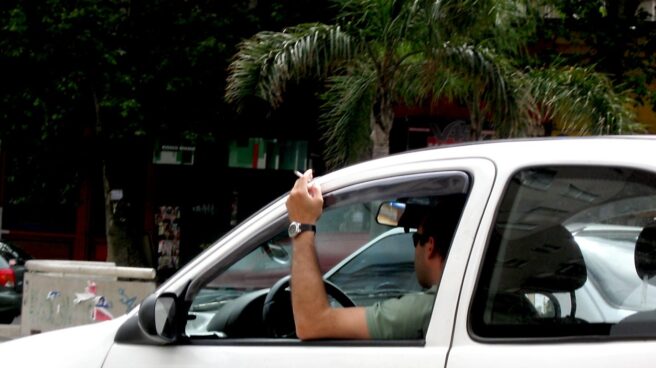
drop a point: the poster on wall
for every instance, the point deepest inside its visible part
(167, 219)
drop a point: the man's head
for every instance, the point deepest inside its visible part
(433, 240)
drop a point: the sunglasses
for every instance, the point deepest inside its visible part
(418, 238)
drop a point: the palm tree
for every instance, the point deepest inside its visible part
(381, 53)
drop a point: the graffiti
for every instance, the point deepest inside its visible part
(455, 132)
(126, 300)
(52, 294)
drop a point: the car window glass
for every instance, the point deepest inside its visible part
(10, 251)
(369, 261)
(564, 257)
(384, 269)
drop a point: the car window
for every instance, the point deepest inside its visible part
(3, 263)
(366, 260)
(383, 269)
(564, 257)
(10, 251)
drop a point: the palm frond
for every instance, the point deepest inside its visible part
(581, 101)
(265, 63)
(383, 22)
(487, 79)
(344, 121)
(459, 18)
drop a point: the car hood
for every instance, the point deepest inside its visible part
(82, 346)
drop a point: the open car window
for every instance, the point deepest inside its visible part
(368, 261)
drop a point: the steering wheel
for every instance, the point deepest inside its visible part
(277, 314)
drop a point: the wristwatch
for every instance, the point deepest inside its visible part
(296, 228)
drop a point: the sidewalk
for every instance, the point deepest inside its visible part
(11, 331)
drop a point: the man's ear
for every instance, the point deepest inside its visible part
(430, 247)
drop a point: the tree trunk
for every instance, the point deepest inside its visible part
(476, 117)
(124, 245)
(382, 118)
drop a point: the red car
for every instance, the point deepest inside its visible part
(10, 297)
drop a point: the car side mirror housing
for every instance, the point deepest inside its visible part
(157, 317)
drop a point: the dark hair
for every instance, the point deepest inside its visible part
(441, 222)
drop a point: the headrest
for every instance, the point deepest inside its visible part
(547, 261)
(449, 208)
(645, 253)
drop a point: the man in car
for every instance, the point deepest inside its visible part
(403, 318)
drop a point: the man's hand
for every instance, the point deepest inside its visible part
(305, 202)
(313, 316)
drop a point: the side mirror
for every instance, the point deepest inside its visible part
(389, 213)
(277, 253)
(157, 317)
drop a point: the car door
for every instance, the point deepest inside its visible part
(223, 286)
(562, 275)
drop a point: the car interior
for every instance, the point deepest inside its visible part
(536, 282)
(642, 324)
(263, 311)
(551, 263)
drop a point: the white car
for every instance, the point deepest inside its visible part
(552, 263)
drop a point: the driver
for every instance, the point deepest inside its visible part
(400, 318)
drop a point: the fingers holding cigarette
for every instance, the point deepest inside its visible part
(307, 175)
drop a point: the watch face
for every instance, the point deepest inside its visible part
(294, 229)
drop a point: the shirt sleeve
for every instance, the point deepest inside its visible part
(403, 318)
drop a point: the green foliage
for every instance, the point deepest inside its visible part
(618, 41)
(385, 52)
(81, 78)
(347, 102)
(306, 50)
(561, 93)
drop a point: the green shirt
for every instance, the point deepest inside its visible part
(406, 317)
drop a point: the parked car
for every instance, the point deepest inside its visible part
(517, 288)
(10, 296)
(16, 257)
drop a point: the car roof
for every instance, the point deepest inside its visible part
(603, 150)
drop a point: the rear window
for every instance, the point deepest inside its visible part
(571, 254)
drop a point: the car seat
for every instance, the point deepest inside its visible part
(642, 323)
(546, 262)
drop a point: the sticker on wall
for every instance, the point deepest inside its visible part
(101, 306)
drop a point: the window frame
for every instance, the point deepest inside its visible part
(339, 196)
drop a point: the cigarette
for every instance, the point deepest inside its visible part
(298, 173)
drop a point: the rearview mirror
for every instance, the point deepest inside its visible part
(389, 213)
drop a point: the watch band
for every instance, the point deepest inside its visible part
(296, 228)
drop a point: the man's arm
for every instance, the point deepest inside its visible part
(313, 315)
